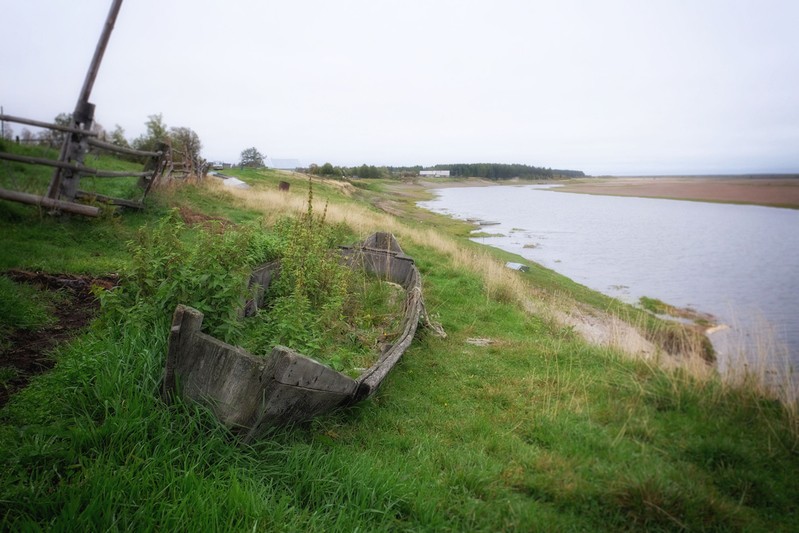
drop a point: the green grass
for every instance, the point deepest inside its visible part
(22, 307)
(535, 432)
(22, 176)
(36, 178)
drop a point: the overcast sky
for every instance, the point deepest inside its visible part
(607, 87)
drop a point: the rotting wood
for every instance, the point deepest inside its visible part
(247, 394)
(250, 394)
(51, 203)
(259, 282)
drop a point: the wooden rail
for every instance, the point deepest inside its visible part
(69, 167)
(85, 195)
(51, 203)
(75, 167)
(47, 125)
(121, 149)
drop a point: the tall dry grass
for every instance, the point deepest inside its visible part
(500, 283)
(760, 363)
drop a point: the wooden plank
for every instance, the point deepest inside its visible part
(299, 371)
(227, 379)
(186, 322)
(373, 377)
(223, 377)
(109, 200)
(258, 284)
(286, 404)
(247, 393)
(52, 203)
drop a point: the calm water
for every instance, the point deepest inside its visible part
(739, 263)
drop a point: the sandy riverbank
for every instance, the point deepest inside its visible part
(769, 191)
(776, 191)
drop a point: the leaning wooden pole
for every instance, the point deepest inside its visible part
(50, 203)
(65, 182)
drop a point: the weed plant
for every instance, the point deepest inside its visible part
(207, 270)
(318, 305)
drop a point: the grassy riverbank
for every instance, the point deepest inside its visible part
(513, 422)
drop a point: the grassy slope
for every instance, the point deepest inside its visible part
(537, 431)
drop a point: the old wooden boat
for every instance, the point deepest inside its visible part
(250, 394)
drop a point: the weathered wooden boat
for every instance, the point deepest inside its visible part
(250, 394)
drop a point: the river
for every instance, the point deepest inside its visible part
(739, 263)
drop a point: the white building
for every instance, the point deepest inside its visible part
(283, 164)
(435, 173)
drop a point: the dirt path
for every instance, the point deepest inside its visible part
(29, 352)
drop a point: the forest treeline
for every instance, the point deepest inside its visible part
(491, 171)
(501, 171)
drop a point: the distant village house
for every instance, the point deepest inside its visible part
(435, 173)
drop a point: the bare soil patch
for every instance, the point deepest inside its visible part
(195, 218)
(29, 352)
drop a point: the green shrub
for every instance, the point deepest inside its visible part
(207, 270)
(320, 307)
(306, 301)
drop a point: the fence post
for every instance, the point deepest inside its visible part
(156, 165)
(66, 182)
(77, 147)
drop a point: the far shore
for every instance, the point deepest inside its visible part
(773, 191)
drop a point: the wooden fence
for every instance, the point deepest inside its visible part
(64, 188)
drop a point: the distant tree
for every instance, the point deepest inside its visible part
(26, 135)
(329, 170)
(186, 146)
(499, 171)
(251, 157)
(63, 119)
(98, 128)
(54, 138)
(118, 137)
(187, 141)
(157, 131)
(370, 172)
(7, 132)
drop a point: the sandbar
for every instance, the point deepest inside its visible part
(775, 191)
